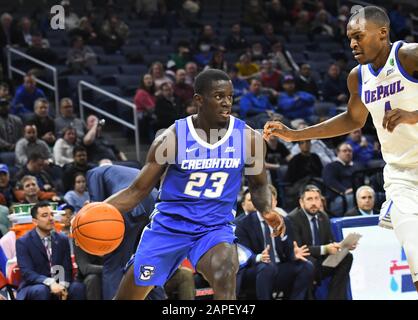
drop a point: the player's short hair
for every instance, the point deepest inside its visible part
(203, 81)
(41, 204)
(373, 13)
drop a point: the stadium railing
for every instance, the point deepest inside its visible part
(85, 104)
(11, 68)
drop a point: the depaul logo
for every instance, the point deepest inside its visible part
(400, 276)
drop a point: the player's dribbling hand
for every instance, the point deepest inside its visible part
(276, 221)
(397, 116)
(277, 129)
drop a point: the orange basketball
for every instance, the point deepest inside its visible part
(98, 228)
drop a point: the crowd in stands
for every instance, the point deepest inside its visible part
(288, 60)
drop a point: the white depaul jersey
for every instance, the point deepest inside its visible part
(391, 87)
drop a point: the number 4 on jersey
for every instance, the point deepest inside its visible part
(387, 106)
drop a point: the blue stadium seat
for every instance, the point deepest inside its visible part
(318, 56)
(127, 81)
(330, 46)
(151, 57)
(298, 38)
(134, 69)
(73, 81)
(103, 71)
(161, 49)
(113, 59)
(295, 47)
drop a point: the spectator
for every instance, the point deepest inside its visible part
(80, 58)
(66, 221)
(30, 144)
(63, 148)
(305, 81)
(334, 86)
(303, 23)
(115, 33)
(363, 150)
(282, 58)
(24, 32)
(44, 124)
(67, 118)
(31, 193)
(278, 15)
(254, 15)
(304, 165)
(40, 50)
(269, 38)
(241, 86)
(337, 177)
(145, 104)
(313, 229)
(257, 52)
(365, 197)
(6, 187)
(146, 8)
(190, 108)
(270, 77)
(11, 129)
(236, 40)
(294, 104)
(158, 75)
(87, 29)
(191, 10)
(145, 95)
(168, 107)
(217, 61)
(36, 266)
(254, 102)
(7, 37)
(26, 95)
(323, 24)
(246, 203)
(191, 72)
(182, 56)
(8, 34)
(79, 196)
(277, 263)
(4, 91)
(35, 166)
(72, 20)
(318, 147)
(207, 39)
(90, 268)
(181, 89)
(79, 164)
(97, 146)
(246, 68)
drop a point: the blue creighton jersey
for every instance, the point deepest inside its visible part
(203, 184)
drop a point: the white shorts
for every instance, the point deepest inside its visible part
(401, 187)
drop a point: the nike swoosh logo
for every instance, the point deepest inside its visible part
(190, 150)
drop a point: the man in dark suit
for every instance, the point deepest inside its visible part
(280, 264)
(102, 182)
(41, 253)
(313, 228)
(365, 197)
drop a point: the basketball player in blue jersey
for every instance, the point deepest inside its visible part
(198, 194)
(385, 83)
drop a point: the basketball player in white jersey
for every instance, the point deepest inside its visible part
(385, 83)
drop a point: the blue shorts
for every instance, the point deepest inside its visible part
(162, 249)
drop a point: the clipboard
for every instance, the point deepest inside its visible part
(334, 260)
